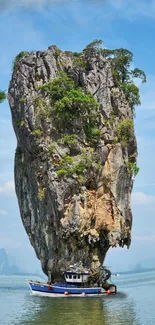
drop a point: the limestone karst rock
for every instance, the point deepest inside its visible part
(71, 215)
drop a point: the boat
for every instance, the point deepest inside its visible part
(78, 281)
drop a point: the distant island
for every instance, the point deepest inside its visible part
(7, 269)
(138, 269)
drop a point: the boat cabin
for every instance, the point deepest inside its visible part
(76, 277)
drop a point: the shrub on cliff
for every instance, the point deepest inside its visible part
(121, 60)
(87, 161)
(69, 139)
(76, 103)
(2, 96)
(94, 45)
(58, 88)
(124, 132)
(133, 169)
(131, 92)
(19, 57)
(72, 104)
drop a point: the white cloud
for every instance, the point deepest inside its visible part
(8, 189)
(129, 9)
(3, 212)
(132, 9)
(38, 4)
(140, 198)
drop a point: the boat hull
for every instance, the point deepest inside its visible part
(44, 289)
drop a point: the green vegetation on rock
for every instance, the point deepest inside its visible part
(70, 104)
(124, 132)
(2, 96)
(133, 169)
(51, 147)
(69, 109)
(41, 193)
(19, 57)
(80, 62)
(76, 104)
(22, 123)
(58, 88)
(121, 60)
(69, 139)
(42, 110)
(87, 161)
(94, 45)
(131, 92)
(65, 167)
(22, 100)
(56, 53)
(37, 133)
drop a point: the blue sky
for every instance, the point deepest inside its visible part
(71, 25)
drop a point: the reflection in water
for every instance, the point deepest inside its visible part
(136, 307)
(108, 310)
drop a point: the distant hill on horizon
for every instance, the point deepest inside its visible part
(136, 270)
(5, 267)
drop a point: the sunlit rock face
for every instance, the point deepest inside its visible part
(68, 221)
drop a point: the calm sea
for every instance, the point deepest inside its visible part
(133, 305)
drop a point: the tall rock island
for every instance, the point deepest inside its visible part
(75, 157)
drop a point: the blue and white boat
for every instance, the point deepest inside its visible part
(77, 282)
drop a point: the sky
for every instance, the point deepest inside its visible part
(28, 25)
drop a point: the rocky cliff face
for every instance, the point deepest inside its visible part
(71, 215)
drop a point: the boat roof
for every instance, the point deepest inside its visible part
(77, 272)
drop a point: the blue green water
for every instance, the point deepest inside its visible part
(133, 305)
